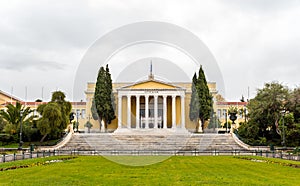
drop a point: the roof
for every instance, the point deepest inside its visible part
(10, 96)
(40, 103)
(232, 103)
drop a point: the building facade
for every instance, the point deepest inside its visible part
(149, 104)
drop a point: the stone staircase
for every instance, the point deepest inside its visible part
(104, 142)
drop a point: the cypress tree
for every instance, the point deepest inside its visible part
(99, 95)
(194, 103)
(110, 102)
(201, 102)
(205, 98)
(103, 97)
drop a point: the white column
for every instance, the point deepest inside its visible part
(174, 111)
(182, 112)
(119, 112)
(128, 111)
(155, 111)
(165, 112)
(137, 115)
(147, 111)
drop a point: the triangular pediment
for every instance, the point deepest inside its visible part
(151, 84)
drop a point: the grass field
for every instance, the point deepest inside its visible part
(177, 170)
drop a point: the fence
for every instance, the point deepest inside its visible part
(37, 154)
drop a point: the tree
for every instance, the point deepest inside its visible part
(265, 108)
(55, 116)
(94, 111)
(65, 108)
(12, 117)
(294, 104)
(2, 124)
(110, 112)
(264, 111)
(51, 119)
(103, 97)
(89, 125)
(194, 103)
(201, 101)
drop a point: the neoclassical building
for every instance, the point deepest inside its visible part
(143, 105)
(147, 104)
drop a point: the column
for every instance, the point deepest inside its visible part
(147, 111)
(182, 112)
(155, 111)
(119, 112)
(137, 115)
(128, 111)
(165, 111)
(174, 111)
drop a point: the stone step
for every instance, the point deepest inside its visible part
(157, 142)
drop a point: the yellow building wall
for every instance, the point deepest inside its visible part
(155, 85)
(178, 111)
(190, 125)
(124, 111)
(169, 112)
(133, 112)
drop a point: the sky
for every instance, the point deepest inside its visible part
(42, 43)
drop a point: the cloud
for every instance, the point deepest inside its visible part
(18, 65)
(253, 41)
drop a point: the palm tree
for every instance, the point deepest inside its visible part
(12, 115)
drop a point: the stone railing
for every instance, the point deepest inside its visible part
(62, 143)
(246, 146)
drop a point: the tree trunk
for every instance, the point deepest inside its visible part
(197, 125)
(43, 138)
(202, 124)
(100, 124)
(105, 125)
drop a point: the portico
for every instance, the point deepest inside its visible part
(151, 104)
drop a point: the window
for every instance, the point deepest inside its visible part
(224, 112)
(82, 113)
(77, 113)
(219, 113)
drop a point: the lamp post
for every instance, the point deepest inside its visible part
(245, 114)
(214, 117)
(283, 130)
(21, 127)
(77, 123)
(226, 122)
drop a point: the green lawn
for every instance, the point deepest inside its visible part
(177, 170)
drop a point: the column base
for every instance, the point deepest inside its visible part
(181, 131)
(150, 131)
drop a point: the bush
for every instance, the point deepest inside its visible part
(6, 139)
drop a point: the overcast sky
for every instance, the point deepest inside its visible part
(42, 42)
